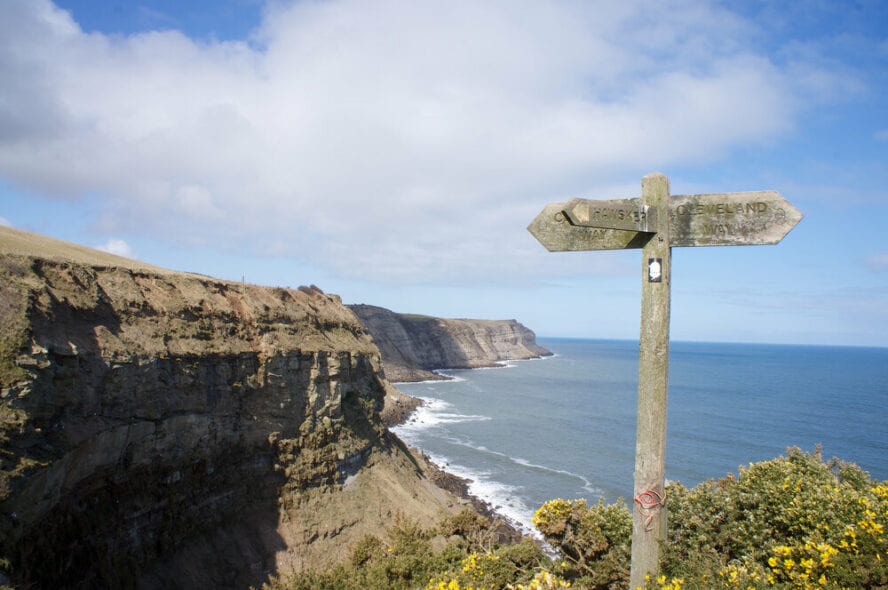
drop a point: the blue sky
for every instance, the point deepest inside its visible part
(394, 152)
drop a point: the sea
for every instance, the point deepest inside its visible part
(564, 426)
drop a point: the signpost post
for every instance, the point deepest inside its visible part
(655, 223)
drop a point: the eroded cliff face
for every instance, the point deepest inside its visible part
(170, 430)
(412, 346)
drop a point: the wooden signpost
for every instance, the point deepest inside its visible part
(655, 223)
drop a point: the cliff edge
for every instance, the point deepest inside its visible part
(412, 346)
(164, 429)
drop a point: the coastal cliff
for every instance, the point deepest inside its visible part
(162, 429)
(412, 346)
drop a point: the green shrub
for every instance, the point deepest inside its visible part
(478, 532)
(412, 557)
(505, 567)
(594, 542)
(793, 522)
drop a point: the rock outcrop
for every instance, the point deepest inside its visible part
(413, 346)
(163, 429)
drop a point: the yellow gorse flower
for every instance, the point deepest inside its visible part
(542, 580)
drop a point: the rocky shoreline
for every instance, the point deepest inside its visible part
(459, 486)
(398, 409)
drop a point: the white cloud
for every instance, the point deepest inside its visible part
(385, 139)
(5, 222)
(118, 247)
(881, 135)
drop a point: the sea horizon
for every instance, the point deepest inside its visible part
(685, 341)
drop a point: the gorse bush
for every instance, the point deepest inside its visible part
(503, 568)
(594, 542)
(795, 522)
(457, 555)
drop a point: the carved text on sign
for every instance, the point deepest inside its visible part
(720, 208)
(722, 219)
(730, 219)
(552, 228)
(625, 214)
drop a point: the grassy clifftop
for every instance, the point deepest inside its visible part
(22, 243)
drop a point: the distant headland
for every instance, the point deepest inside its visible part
(413, 346)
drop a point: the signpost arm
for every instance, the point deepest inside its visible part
(649, 515)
